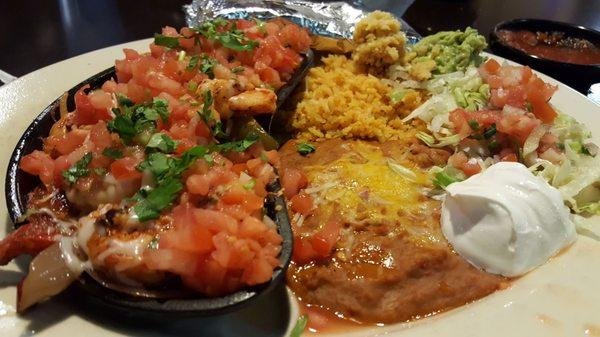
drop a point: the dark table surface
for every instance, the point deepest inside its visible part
(37, 33)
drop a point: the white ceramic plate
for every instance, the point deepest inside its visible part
(560, 298)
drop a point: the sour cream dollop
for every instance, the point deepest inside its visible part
(506, 220)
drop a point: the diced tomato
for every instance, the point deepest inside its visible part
(462, 120)
(302, 203)
(252, 227)
(295, 37)
(538, 94)
(86, 113)
(460, 161)
(40, 164)
(124, 168)
(318, 245)
(292, 181)
(325, 239)
(60, 164)
(517, 86)
(517, 126)
(100, 136)
(491, 66)
(131, 54)
(168, 259)
(239, 195)
(198, 184)
(239, 168)
(303, 251)
(192, 234)
(67, 143)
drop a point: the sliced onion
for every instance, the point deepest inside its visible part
(49, 274)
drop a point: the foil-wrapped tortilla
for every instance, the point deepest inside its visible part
(334, 19)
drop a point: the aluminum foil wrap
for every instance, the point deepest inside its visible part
(334, 19)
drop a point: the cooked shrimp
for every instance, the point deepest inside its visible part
(90, 192)
(221, 91)
(257, 101)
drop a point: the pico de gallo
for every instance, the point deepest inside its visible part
(141, 183)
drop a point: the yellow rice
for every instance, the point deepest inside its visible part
(338, 102)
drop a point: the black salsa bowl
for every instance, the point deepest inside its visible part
(578, 76)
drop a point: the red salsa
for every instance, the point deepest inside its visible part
(552, 45)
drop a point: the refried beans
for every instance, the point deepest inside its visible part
(390, 262)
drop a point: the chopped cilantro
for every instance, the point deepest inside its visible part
(112, 153)
(474, 125)
(78, 170)
(161, 142)
(489, 132)
(167, 170)
(232, 38)
(305, 148)
(151, 202)
(157, 163)
(528, 106)
(237, 70)
(193, 63)
(166, 41)
(124, 100)
(138, 122)
(207, 65)
(261, 25)
(122, 125)
(237, 146)
(208, 117)
(192, 86)
(206, 114)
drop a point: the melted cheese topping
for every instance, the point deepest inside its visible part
(364, 188)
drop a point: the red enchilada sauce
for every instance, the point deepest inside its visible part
(552, 45)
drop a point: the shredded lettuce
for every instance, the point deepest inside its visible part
(566, 128)
(438, 104)
(472, 100)
(577, 177)
(432, 141)
(459, 89)
(401, 170)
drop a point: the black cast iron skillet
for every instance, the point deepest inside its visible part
(19, 184)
